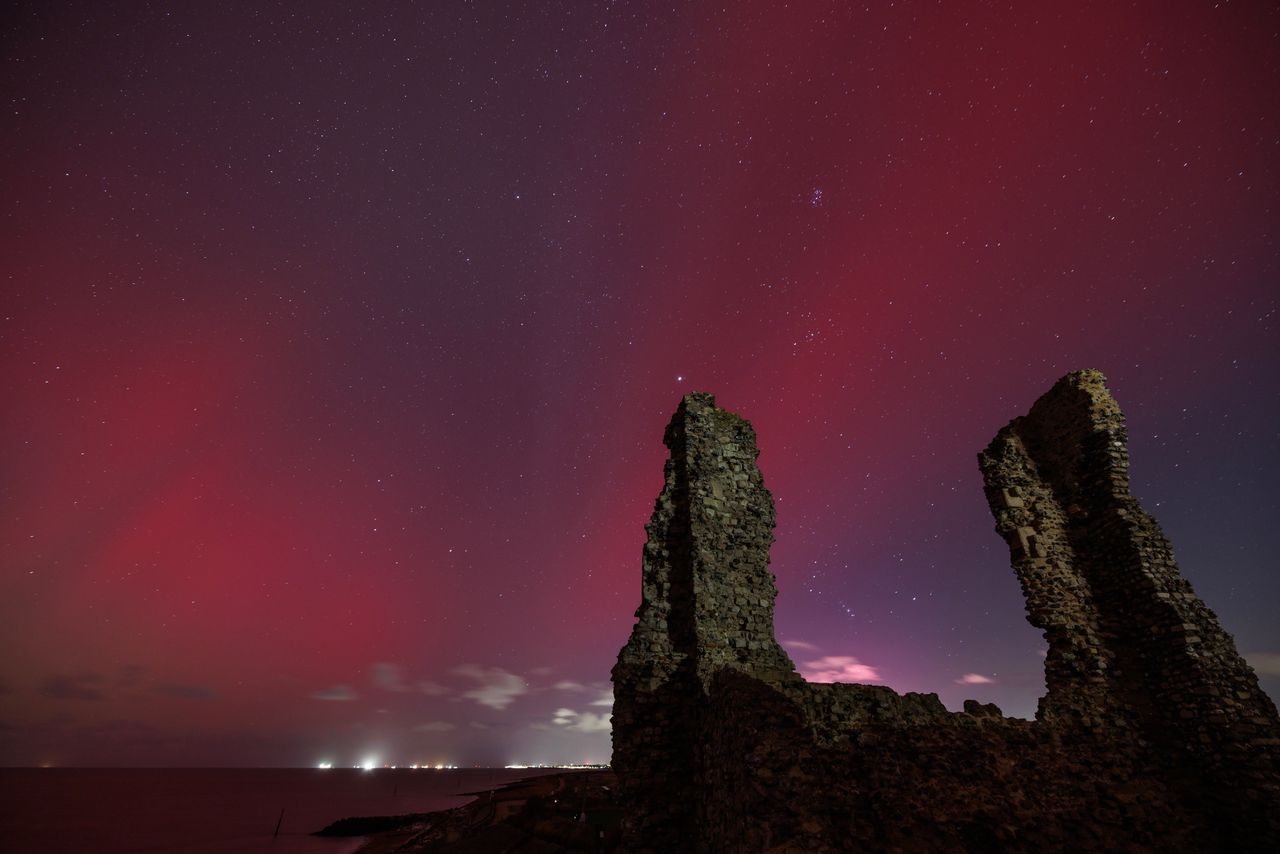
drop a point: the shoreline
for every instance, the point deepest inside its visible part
(574, 809)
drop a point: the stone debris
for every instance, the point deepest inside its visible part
(1154, 732)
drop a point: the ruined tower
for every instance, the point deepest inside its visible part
(1131, 646)
(706, 604)
(1153, 734)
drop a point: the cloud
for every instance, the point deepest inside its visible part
(582, 722)
(478, 725)
(498, 688)
(185, 692)
(603, 691)
(435, 726)
(591, 722)
(1264, 663)
(433, 689)
(84, 686)
(839, 668)
(801, 646)
(539, 726)
(337, 692)
(975, 679)
(387, 676)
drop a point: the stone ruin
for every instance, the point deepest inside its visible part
(1153, 733)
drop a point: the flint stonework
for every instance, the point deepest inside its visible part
(1153, 732)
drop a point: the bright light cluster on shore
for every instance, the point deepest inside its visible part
(371, 764)
(557, 765)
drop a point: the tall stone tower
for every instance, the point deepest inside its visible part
(1131, 646)
(706, 603)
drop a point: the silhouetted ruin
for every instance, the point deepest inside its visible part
(1153, 732)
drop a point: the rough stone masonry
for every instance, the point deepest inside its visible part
(1153, 732)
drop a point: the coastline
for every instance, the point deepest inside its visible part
(218, 811)
(572, 809)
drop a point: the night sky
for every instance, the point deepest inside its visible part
(338, 341)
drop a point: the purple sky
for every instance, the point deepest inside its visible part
(338, 342)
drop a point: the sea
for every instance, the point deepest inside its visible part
(208, 810)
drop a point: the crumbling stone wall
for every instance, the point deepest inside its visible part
(706, 603)
(1130, 643)
(973, 781)
(1153, 733)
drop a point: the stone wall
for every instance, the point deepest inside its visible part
(1130, 644)
(971, 781)
(1153, 732)
(706, 603)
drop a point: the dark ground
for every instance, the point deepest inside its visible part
(566, 811)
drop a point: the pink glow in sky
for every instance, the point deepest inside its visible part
(338, 345)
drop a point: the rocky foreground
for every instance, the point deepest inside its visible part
(567, 811)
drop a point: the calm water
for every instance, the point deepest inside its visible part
(200, 811)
